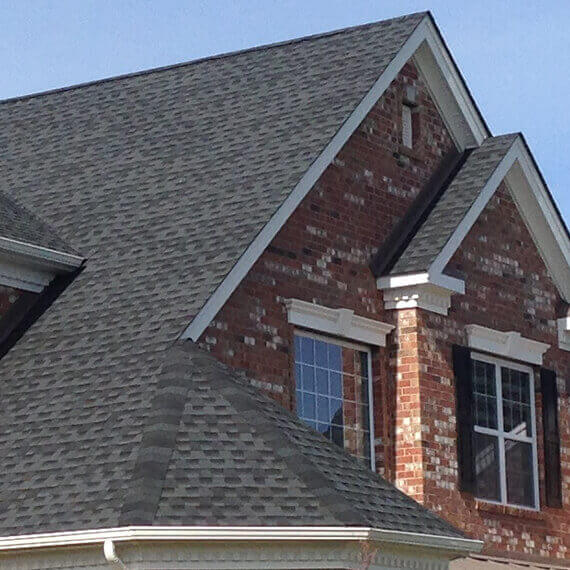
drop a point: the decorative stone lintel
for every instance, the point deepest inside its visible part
(564, 333)
(423, 296)
(338, 322)
(508, 344)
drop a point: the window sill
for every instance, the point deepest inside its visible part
(519, 512)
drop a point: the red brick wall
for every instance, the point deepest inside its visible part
(8, 297)
(507, 288)
(323, 252)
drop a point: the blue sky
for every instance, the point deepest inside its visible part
(515, 55)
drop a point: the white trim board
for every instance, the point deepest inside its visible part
(31, 267)
(337, 322)
(449, 80)
(188, 533)
(506, 344)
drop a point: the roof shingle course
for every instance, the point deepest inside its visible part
(161, 180)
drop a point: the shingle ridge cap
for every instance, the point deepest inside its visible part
(223, 55)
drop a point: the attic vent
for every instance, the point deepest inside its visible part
(407, 134)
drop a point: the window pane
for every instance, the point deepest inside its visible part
(487, 467)
(321, 358)
(520, 476)
(517, 416)
(307, 353)
(484, 394)
(335, 357)
(332, 392)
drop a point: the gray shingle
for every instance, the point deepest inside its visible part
(453, 205)
(18, 223)
(240, 458)
(161, 180)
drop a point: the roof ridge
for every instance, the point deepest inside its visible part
(199, 60)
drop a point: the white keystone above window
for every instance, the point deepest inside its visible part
(508, 344)
(338, 322)
(564, 333)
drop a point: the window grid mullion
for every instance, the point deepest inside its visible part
(501, 434)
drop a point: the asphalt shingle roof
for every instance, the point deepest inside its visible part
(453, 205)
(161, 180)
(18, 223)
(237, 457)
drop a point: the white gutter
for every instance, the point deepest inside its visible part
(41, 257)
(185, 533)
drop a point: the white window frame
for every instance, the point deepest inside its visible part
(361, 348)
(500, 433)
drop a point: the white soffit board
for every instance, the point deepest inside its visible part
(338, 322)
(507, 344)
(426, 34)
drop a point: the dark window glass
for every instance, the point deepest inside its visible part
(485, 394)
(519, 467)
(517, 415)
(487, 467)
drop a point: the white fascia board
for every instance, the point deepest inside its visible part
(203, 534)
(42, 257)
(338, 322)
(424, 32)
(29, 267)
(507, 344)
(456, 85)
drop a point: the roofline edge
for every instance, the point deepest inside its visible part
(231, 533)
(425, 31)
(45, 257)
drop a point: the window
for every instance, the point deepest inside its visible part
(333, 387)
(504, 432)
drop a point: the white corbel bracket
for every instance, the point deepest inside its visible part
(564, 333)
(338, 322)
(420, 290)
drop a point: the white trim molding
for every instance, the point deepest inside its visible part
(431, 292)
(337, 322)
(224, 534)
(507, 344)
(30, 267)
(462, 117)
(564, 333)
